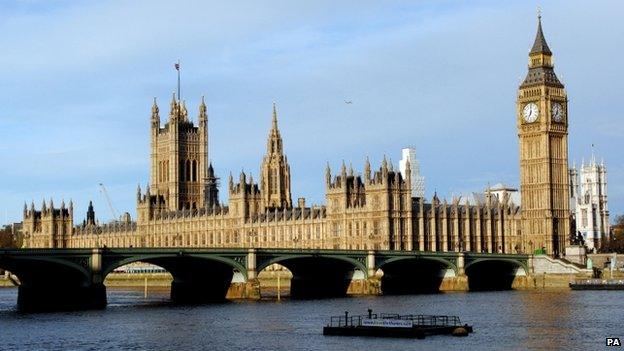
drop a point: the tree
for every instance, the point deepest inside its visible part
(616, 242)
(6, 238)
(618, 227)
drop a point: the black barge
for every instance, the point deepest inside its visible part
(395, 325)
(598, 284)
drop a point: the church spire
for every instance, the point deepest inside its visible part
(540, 46)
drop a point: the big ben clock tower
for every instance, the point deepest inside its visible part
(542, 121)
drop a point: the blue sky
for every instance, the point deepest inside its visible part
(78, 79)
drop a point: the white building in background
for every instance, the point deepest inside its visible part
(418, 181)
(588, 202)
(493, 195)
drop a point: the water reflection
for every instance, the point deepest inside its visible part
(545, 314)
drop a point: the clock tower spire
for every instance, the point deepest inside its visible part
(542, 123)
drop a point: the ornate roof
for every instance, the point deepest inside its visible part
(540, 46)
(542, 75)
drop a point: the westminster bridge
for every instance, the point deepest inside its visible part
(74, 278)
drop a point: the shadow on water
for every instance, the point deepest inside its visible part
(412, 277)
(491, 276)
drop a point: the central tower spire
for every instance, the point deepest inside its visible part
(275, 171)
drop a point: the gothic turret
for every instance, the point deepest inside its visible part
(90, 214)
(179, 157)
(327, 176)
(203, 112)
(212, 189)
(155, 116)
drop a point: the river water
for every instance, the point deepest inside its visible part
(510, 320)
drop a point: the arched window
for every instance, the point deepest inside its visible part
(188, 170)
(194, 172)
(270, 180)
(181, 171)
(274, 178)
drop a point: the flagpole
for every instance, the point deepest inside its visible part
(178, 69)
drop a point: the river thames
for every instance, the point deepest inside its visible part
(511, 320)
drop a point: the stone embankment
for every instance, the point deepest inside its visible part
(549, 273)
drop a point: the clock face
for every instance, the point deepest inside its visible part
(530, 112)
(557, 112)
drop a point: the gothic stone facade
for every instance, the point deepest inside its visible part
(373, 210)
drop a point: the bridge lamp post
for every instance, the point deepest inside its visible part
(296, 240)
(252, 236)
(371, 239)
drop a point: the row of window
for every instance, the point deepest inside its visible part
(189, 171)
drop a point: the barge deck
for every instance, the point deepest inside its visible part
(395, 325)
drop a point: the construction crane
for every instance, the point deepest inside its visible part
(108, 200)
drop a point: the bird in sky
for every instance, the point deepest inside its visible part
(348, 102)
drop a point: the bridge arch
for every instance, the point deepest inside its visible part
(414, 274)
(317, 276)
(197, 278)
(496, 273)
(34, 269)
(47, 283)
(282, 258)
(152, 258)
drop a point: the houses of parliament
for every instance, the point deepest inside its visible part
(371, 209)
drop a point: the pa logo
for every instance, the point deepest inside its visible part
(614, 342)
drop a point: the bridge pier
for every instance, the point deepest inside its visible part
(455, 280)
(368, 286)
(249, 288)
